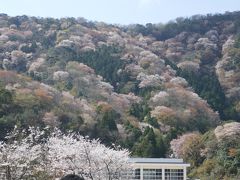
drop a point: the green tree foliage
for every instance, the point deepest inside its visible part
(29, 106)
(60, 54)
(70, 122)
(6, 99)
(108, 120)
(21, 110)
(107, 63)
(133, 135)
(142, 112)
(221, 159)
(235, 54)
(151, 120)
(107, 117)
(197, 24)
(228, 156)
(29, 48)
(6, 105)
(146, 91)
(7, 124)
(106, 128)
(139, 110)
(149, 145)
(15, 20)
(237, 41)
(205, 83)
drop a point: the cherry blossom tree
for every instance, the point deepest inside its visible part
(74, 153)
(59, 154)
(21, 157)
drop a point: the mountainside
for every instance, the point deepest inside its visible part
(156, 89)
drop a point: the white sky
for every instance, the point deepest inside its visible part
(118, 11)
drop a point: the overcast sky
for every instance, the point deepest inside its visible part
(118, 11)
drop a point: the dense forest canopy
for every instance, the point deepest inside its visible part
(158, 90)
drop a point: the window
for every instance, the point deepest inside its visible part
(174, 174)
(131, 175)
(2, 172)
(152, 174)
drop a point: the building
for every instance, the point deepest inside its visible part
(157, 169)
(4, 169)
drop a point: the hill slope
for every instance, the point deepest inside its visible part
(137, 86)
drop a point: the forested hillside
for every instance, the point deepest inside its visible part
(158, 90)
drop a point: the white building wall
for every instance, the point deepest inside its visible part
(164, 166)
